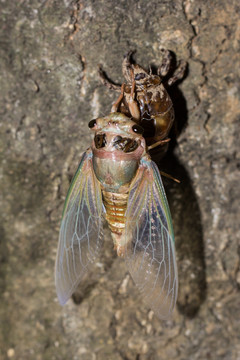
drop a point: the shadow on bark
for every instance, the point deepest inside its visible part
(186, 217)
(189, 239)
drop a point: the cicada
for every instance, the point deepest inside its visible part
(144, 97)
(117, 181)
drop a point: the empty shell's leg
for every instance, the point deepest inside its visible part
(132, 104)
(117, 103)
(158, 143)
(127, 66)
(166, 63)
(169, 176)
(105, 81)
(178, 73)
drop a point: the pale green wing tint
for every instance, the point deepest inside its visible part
(81, 230)
(150, 253)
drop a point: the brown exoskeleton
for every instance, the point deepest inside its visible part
(145, 98)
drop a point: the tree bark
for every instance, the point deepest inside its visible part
(50, 90)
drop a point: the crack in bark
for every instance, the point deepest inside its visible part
(73, 24)
(203, 64)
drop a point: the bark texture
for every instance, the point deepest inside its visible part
(49, 91)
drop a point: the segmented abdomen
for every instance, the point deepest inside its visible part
(115, 205)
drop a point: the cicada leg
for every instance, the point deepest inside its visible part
(169, 176)
(117, 103)
(158, 143)
(133, 105)
(127, 66)
(161, 146)
(105, 80)
(163, 69)
(178, 73)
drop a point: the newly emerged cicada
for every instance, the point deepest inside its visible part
(117, 180)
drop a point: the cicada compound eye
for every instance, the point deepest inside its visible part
(92, 123)
(137, 129)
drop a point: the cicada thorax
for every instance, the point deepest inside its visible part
(156, 113)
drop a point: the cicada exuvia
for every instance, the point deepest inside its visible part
(117, 180)
(145, 98)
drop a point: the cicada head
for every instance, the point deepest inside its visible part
(118, 147)
(119, 134)
(143, 79)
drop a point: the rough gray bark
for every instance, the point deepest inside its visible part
(49, 91)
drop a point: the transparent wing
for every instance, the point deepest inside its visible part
(81, 229)
(150, 254)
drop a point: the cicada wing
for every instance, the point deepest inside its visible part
(150, 253)
(81, 232)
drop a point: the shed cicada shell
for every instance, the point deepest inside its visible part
(117, 181)
(144, 97)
